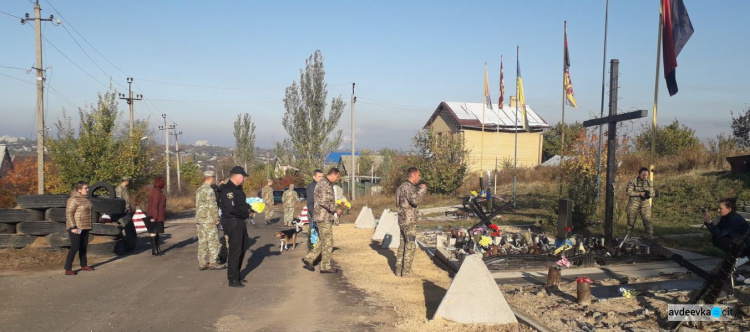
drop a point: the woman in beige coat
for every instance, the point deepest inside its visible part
(78, 225)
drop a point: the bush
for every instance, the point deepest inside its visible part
(741, 128)
(670, 139)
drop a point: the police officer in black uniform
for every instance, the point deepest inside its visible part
(234, 212)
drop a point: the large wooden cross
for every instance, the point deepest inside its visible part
(611, 121)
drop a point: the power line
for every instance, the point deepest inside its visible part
(217, 101)
(11, 15)
(75, 64)
(84, 38)
(14, 68)
(220, 88)
(17, 79)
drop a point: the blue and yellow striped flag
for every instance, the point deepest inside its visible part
(521, 100)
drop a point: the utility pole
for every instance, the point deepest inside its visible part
(39, 92)
(177, 153)
(268, 164)
(353, 170)
(130, 100)
(166, 145)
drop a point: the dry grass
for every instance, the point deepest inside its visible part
(370, 269)
(380, 202)
(179, 204)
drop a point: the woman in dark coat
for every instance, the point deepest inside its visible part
(155, 214)
(732, 228)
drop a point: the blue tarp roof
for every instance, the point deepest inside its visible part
(334, 157)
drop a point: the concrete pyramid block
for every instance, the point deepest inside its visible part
(392, 238)
(365, 219)
(474, 298)
(384, 225)
(385, 212)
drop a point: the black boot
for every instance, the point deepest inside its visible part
(153, 245)
(158, 248)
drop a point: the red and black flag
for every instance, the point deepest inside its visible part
(676, 31)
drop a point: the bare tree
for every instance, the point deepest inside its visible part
(244, 138)
(312, 132)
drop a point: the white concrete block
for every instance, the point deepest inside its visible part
(384, 225)
(365, 219)
(392, 238)
(474, 297)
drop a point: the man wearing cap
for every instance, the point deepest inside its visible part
(122, 192)
(206, 219)
(234, 212)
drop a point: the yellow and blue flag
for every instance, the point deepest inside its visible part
(521, 99)
(487, 99)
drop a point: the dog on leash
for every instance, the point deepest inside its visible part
(287, 237)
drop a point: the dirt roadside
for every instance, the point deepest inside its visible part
(143, 292)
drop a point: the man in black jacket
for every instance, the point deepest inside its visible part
(234, 212)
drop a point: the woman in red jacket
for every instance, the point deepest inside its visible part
(155, 214)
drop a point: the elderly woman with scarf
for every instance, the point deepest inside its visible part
(155, 214)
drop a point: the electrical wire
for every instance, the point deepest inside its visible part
(75, 64)
(92, 60)
(217, 101)
(84, 38)
(7, 67)
(17, 79)
(11, 15)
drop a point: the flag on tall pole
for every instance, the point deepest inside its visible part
(521, 100)
(502, 85)
(676, 31)
(487, 99)
(568, 84)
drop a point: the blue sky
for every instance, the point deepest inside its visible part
(405, 56)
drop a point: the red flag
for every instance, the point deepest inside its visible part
(502, 86)
(676, 31)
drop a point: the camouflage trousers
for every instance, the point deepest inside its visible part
(324, 246)
(642, 208)
(406, 248)
(208, 243)
(288, 216)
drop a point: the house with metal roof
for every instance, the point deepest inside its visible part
(464, 120)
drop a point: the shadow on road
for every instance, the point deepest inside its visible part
(387, 253)
(183, 243)
(257, 257)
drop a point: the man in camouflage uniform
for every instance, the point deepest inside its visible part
(122, 192)
(408, 197)
(289, 199)
(639, 191)
(206, 219)
(325, 208)
(267, 196)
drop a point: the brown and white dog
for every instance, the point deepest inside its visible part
(287, 237)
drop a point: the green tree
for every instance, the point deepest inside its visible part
(741, 128)
(670, 139)
(365, 162)
(312, 132)
(244, 138)
(99, 150)
(441, 159)
(385, 167)
(191, 174)
(552, 138)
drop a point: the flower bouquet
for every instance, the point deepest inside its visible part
(256, 203)
(343, 204)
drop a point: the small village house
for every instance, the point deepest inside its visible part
(464, 120)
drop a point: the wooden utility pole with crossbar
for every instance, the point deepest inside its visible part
(166, 145)
(177, 153)
(39, 91)
(130, 100)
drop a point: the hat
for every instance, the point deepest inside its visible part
(208, 173)
(238, 170)
(126, 178)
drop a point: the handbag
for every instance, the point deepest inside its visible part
(314, 234)
(138, 217)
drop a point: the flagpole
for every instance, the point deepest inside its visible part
(562, 136)
(515, 150)
(497, 138)
(484, 97)
(656, 94)
(601, 110)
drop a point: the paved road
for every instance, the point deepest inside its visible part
(141, 292)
